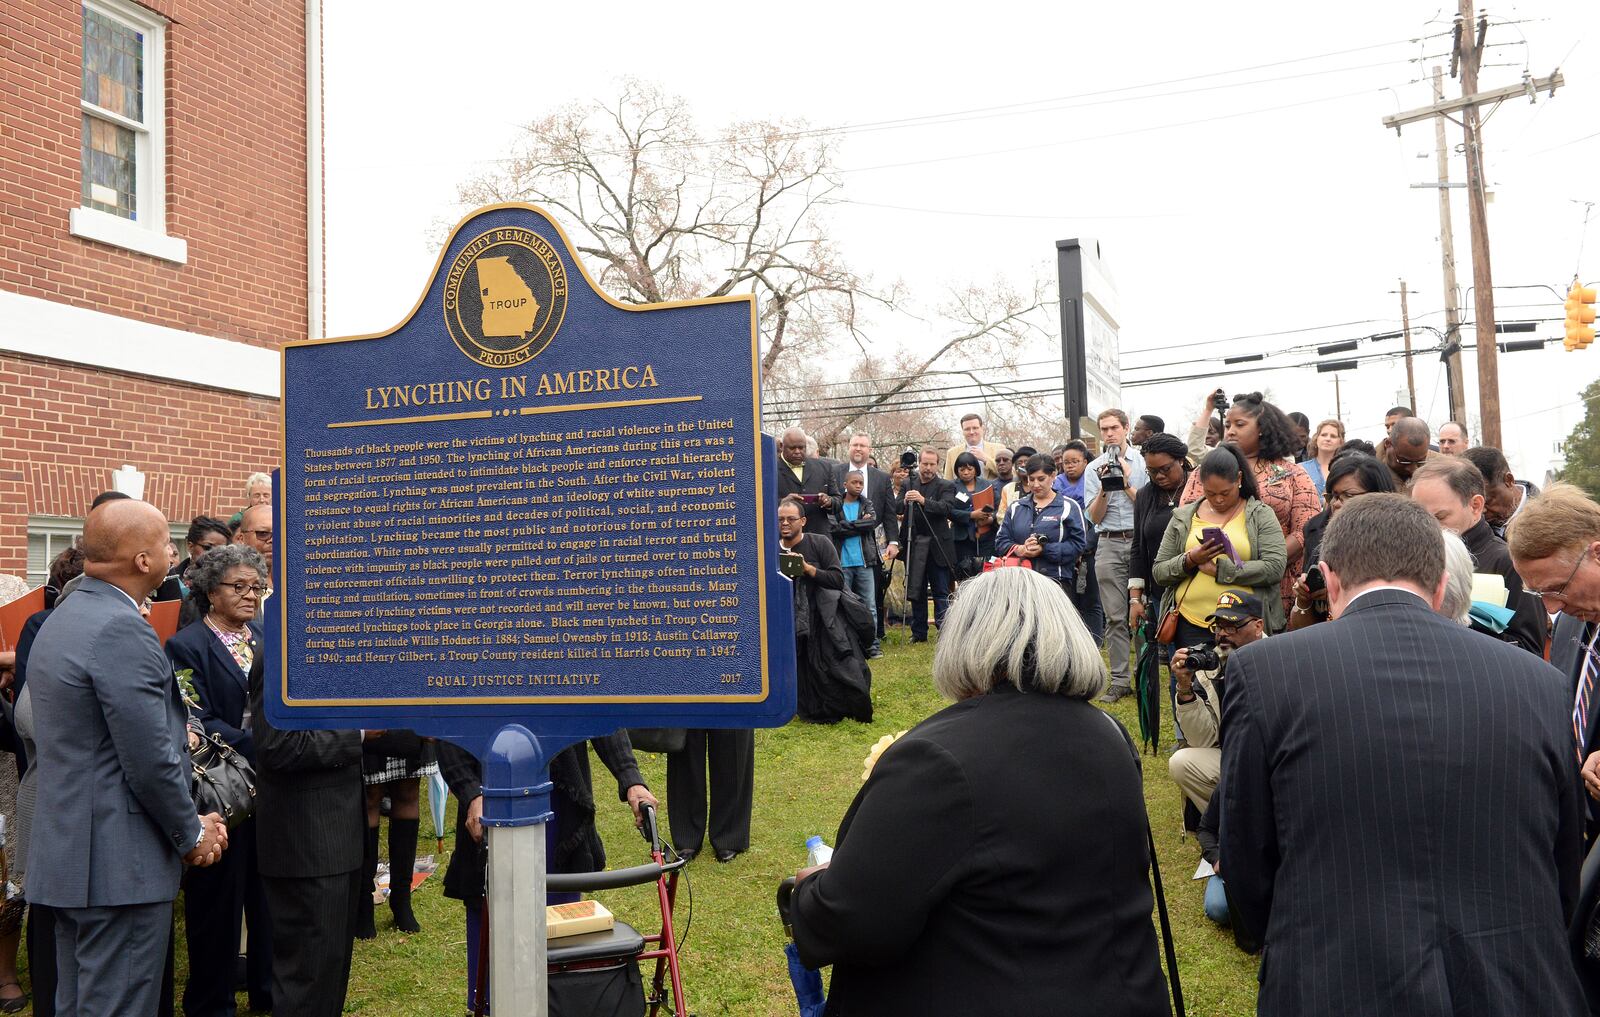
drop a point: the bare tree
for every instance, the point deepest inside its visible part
(659, 211)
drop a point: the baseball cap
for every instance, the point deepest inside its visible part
(1234, 607)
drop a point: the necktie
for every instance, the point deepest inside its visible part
(1580, 710)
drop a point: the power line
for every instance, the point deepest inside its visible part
(1102, 137)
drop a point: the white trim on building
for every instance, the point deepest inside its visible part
(46, 328)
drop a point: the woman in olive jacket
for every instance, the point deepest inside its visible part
(1178, 560)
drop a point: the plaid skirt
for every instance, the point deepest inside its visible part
(396, 768)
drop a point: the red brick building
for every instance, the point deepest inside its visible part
(160, 236)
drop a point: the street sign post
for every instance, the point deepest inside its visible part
(526, 516)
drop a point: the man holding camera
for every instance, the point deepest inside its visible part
(930, 547)
(1109, 487)
(1199, 672)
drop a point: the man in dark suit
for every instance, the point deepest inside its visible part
(108, 852)
(1504, 496)
(1555, 544)
(811, 479)
(879, 493)
(310, 823)
(1399, 812)
(1451, 489)
(930, 547)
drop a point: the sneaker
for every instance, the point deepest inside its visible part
(1116, 693)
(875, 653)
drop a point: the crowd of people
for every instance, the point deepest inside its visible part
(1369, 696)
(1381, 708)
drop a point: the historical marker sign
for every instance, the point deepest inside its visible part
(528, 503)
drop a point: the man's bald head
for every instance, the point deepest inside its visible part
(1408, 446)
(125, 544)
(255, 531)
(794, 446)
(1411, 430)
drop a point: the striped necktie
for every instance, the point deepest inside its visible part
(1580, 710)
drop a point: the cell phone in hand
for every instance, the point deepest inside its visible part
(791, 564)
(810, 499)
(1215, 536)
(1314, 579)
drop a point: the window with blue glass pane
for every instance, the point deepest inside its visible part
(113, 83)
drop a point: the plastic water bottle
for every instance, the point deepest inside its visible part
(817, 852)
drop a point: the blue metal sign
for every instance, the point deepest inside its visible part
(529, 504)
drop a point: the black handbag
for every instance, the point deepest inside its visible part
(224, 782)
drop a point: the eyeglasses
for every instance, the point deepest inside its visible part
(1342, 497)
(1560, 592)
(265, 536)
(1161, 471)
(1220, 627)
(1409, 462)
(241, 589)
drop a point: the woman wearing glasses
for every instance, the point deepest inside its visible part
(226, 584)
(1350, 475)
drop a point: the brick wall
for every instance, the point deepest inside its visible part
(64, 429)
(236, 164)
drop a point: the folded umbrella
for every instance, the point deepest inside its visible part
(807, 984)
(1147, 684)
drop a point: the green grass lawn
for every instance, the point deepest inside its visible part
(806, 776)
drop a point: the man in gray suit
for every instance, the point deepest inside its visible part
(109, 852)
(1400, 809)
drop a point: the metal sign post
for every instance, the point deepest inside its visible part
(526, 516)
(516, 796)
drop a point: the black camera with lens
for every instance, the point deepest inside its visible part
(1111, 476)
(908, 458)
(1219, 401)
(1203, 658)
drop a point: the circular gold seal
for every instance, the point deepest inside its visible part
(505, 296)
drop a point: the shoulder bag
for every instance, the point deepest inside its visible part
(223, 782)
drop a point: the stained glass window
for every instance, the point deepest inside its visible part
(113, 82)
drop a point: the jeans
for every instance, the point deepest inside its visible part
(858, 579)
(1216, 901)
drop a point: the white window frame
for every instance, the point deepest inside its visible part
(59, 532)
(148, 233)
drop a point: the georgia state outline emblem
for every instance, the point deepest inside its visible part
(505, 296)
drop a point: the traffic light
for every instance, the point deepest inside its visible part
(1580, 316)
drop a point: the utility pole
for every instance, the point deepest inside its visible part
(1469, 47)
(1467, 56)
(1338, 403)
(1405, 324)
(1447, 246)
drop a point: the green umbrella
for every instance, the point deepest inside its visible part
(1147, 684)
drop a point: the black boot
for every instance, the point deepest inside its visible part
(402, 862)
(365, 926)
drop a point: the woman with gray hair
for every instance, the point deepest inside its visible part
(1458, 570)
(997, 851)
(227, 583)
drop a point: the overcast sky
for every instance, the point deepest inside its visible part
(1226, 205)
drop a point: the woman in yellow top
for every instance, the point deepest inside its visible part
(1194, 571)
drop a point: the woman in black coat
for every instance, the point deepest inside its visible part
(572, 844)
(996, 860)
(226, 584)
